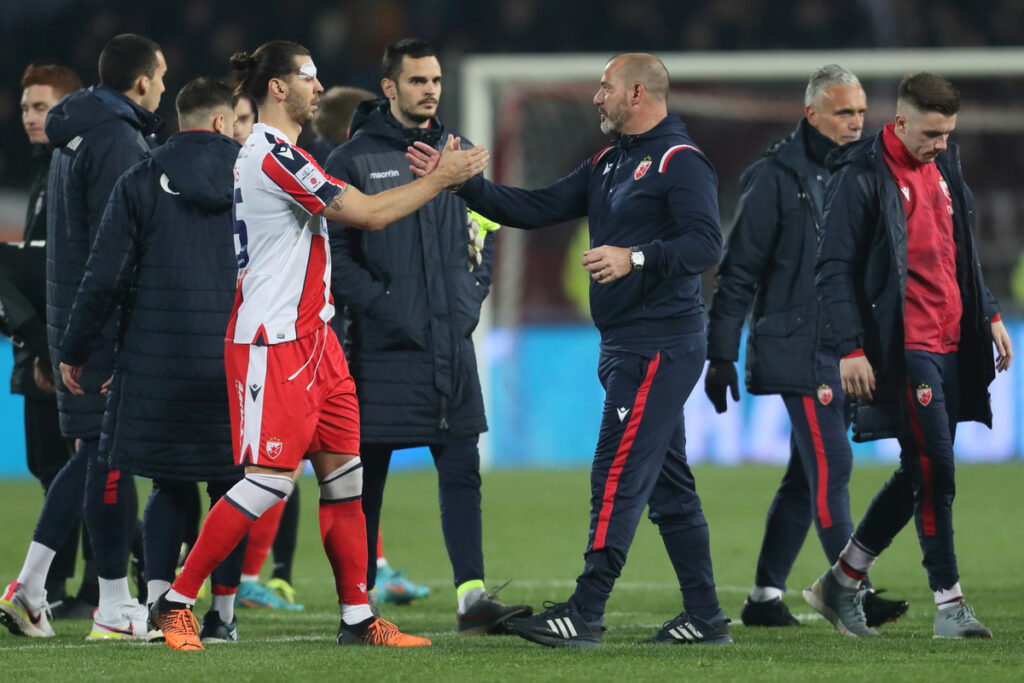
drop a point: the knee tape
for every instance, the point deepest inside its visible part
(343, 484)
(257, 493)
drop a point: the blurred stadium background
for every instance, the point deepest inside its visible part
(738, 67)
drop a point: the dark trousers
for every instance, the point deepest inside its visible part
(165, 526)
(458, 489)
(924, 485)
(640, 461)
(46, 453)
(815, 485)
(111, 512)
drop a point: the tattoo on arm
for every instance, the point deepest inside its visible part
(336, 203)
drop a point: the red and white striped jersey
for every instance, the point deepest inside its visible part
(284, 262)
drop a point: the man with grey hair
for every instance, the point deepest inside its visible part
(769, 265)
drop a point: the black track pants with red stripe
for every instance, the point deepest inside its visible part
(924, 484)
(815, 487)
(640, 460)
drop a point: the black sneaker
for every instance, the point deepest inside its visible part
(487, 615)
(878, 610)
(72, 608)
(767, 613)
(559, 625)
(687, 629)
(216, 630)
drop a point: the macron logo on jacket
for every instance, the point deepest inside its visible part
(381, 175)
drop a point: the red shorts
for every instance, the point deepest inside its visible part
(291, 399)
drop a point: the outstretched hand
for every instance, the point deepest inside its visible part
(423, 158)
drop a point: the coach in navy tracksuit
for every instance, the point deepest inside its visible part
(906, 306)
(653, 210)
(769, 264)
(164, 253)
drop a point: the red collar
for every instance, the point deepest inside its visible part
(896, 150)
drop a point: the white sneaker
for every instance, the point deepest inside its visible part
(128, 622)
(20, 617)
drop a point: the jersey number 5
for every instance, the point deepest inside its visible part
(241, 234)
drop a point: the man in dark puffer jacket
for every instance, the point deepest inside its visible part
(769, 267)
(97, 134)
(414, 303)
(164, 252)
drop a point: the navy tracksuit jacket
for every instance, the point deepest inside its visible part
(656, 191)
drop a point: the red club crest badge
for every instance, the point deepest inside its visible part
(642, 168)
(924, 394)
(945, 188)
(274, 448)
(824, 394)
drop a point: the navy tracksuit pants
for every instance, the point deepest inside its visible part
(458, 492)
(110, 509)
(815, 486)
(923, 486)
(640, 461)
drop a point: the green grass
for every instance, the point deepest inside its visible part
(535, 531)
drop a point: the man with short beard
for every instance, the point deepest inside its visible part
(652, 204)
(414, 299)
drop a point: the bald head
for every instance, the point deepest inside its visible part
(646, 70)
(633, 96)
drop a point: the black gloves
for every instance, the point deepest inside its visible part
(721, 375)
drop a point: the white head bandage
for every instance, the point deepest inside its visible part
(307, 71)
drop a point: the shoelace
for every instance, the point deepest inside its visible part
(551, 608)
(183, 621)
(858, 603)
(492, 594)
(381, 632)
(964, 615)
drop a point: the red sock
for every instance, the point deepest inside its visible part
(380, 545)
(343, 532)
(223, 529)
(261, 537)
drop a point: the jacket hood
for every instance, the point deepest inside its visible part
(90, 107)
(373, 117)
(670, 125)
(199, 165)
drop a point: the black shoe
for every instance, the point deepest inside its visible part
(687, 630)
(878, 610)
(487, 615)
(72, 608)
(767, 613)
(559, 625)
(216, 630)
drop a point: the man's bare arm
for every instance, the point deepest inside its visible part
(376, 212)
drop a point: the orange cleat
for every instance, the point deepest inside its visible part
(376, 631)
(179, 625)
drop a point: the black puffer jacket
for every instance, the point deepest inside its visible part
(769, 263)
(412, 300)
(98, 133)
(165, 253)
(862, 282)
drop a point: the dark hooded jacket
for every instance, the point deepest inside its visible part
(861, 279)
(412, 300)
(23, 285)
(98, 133)
(769, 266)
(165, 254)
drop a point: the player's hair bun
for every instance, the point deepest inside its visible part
(242, 61)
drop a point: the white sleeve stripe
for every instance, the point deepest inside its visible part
(668, 155)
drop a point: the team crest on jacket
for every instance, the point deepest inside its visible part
(924, 394)
(642, 168)
(274, 448)
(945, 188)
(824, 394)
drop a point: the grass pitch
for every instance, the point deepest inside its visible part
(535, 531)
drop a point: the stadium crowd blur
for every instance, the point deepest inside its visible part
(347, 39)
